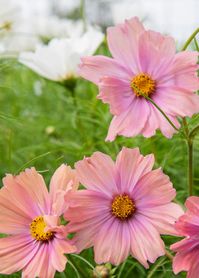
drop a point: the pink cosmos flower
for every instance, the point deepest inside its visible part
(143, 61)
(188, 248)
(36, 240)
(124, 209)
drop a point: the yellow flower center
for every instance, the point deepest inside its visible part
(122, 206)
(37, 229)
(143, 84)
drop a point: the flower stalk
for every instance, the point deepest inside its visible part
(190, 135)
(187, 43)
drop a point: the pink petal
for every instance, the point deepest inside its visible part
(192, 204)
(131, 166)
(31, 181)
(112, 243)
(188, 254)
(63, 180)
(123, 43)
(181, 262)
(131, 122)
(98, 173)
(158, 120)
(163, 217)
(152, 124)
(163, 43)
(57, 257)
(156, 53)
(153, 189)
(184, 62)
(17, 207)
(146, 244)
(117, 93)
(40, 265)
(87, 212)
(95, 67)
(91, 204)
(87, 231)
(16, 252)
(177, 101)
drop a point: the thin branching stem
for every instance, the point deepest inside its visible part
(187, 43)
(75, 269)
(190, 134)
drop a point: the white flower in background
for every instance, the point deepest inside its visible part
(14, 43)
(48, 27)
(65, 7)
(15, 34)
(59, 59)
(9, 13)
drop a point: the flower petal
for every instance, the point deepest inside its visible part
(131, 122)
(17, 207)
(31, 181)
(59, 248)
(63, 180)
(95, 67)
(131, 166)
(146, 243)
(123, 43)
(177, 101)
(16, 252)
(112, 243)
(40, 265)
(163, 217)
(153, 189)
(117, 93)
(156, 53)
(98, 173)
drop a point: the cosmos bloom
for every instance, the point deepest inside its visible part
(188, 248)
(143, 61)
(58, 61)
(124, 209)
(30, 216)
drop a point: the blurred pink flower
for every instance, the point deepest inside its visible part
(143, 61)
(124, 209)
(36, 240)
(188, 248)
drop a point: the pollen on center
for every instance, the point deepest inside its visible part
(143, 84)
(37, 230)
(122, 206)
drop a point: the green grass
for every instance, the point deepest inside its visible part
(42, 125)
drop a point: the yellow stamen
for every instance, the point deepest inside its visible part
(122, 206)
(37, 229)
(144, 83)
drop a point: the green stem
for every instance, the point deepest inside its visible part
(190, 135)
(194, 132)
(74, 268)
(121, 269)
(186, 129)
(84, 260)
(187, 43)
(196, 44)
(190, 165)
(159, 109)
(155, 267)
(79, 271)
(168, 254)
(189, 139)
(82, 10)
